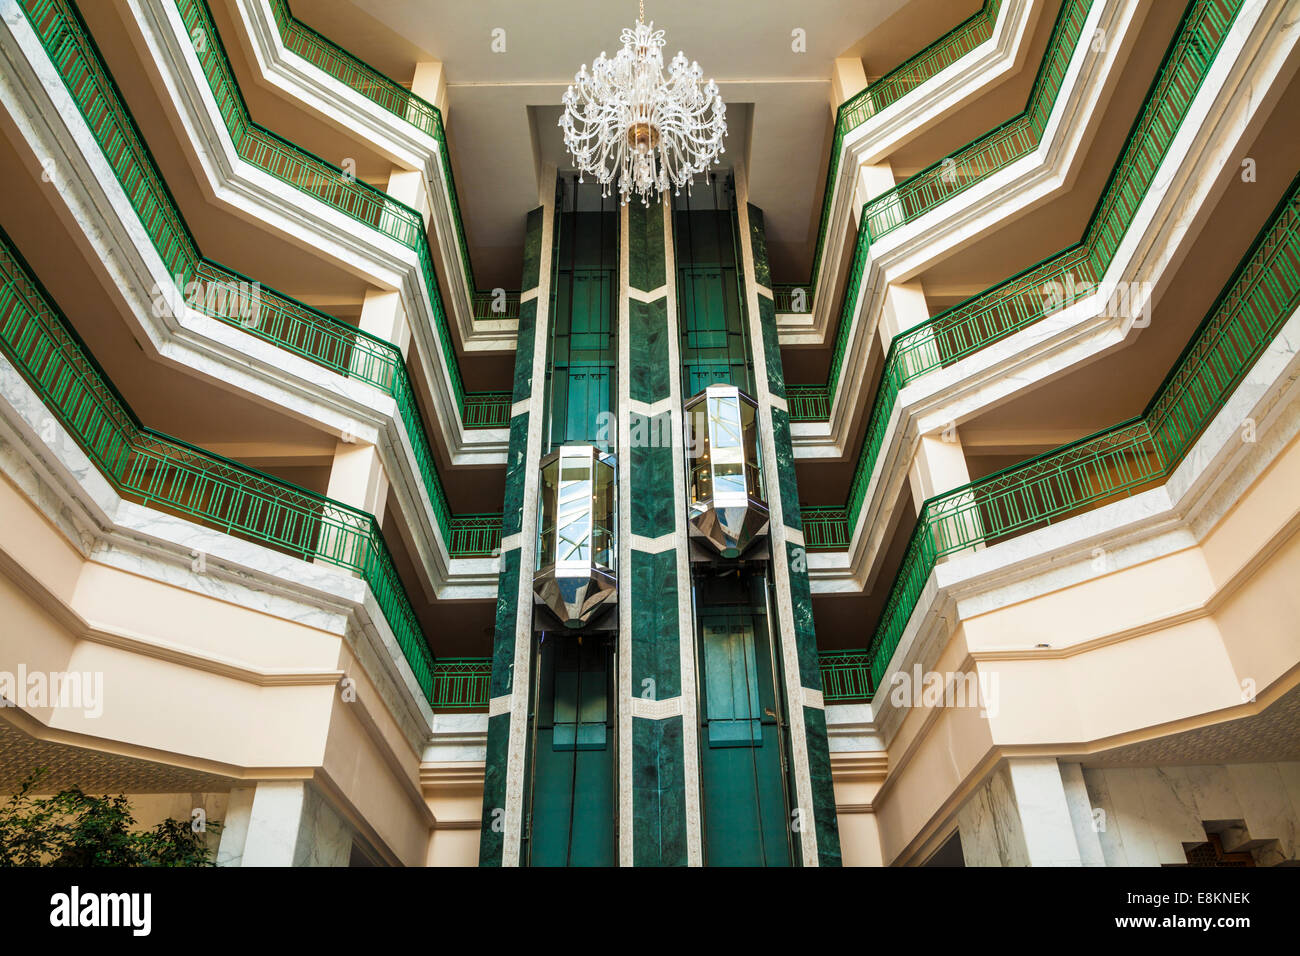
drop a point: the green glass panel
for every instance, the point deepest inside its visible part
(744, 790)
(571, 760)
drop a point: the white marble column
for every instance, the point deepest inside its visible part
(1021, 817)
(290, 824)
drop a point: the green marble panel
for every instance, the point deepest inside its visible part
(651, 460)
(771, 346)
(758, 243)
(503, 642)
(532, 250)
(491, 837)
(523, 384)
(805, 632)
(512, 509)
(819, 768)
(785, 474)
(656, 649)
(645, 253)
(648, 363)
(658, 793)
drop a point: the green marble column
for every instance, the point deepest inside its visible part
(500, 834)
(659, 784)
(818, 836)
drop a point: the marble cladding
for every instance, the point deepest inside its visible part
(517, 465)
(290, 824)
(658, 791)
(532, 251)
(819, 769)
(771, 346)
(805, 631)
(492, 835)
(523, 380)
(651, 510)
(1038, 812)
(785, 474)
(503, 643)
(656, 649)
(1148, 814)
(648, 340)
(758, 241)
(645, 237)
(991, 834)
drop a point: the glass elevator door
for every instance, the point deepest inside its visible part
(572, 757)
(746, 820)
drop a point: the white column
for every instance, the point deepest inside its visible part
(383, 316)
(939, 465)
(407, 186)
(234, 827)
(291, 825)
(1085, 822)
(1044, 812)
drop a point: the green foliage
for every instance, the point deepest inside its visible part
(73, 828)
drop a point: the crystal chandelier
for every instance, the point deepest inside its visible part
(628, 122)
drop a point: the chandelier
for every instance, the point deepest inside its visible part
(637, 130)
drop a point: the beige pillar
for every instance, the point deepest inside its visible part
(939, 465)
(430, 83)
(848, 78)
(382, 315)
(357, 478)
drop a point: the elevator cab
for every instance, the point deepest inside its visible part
(743, 739)
(570, 816)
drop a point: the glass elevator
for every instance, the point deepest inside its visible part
(744, 778)
(570, 758)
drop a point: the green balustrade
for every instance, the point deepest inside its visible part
(315, 176)
(1023, 299)
(461, 683)
(289, 324)
(890, 88)
(396, 99)
(489, 305)
(974, 162)
(170, 475)
(846, 676)
(1134, 455)
(389, 95)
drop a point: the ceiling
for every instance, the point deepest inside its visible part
(503, 104)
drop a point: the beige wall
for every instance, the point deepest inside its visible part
(197, 682)
(1169, 645)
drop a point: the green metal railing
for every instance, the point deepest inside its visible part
(954, 174)
(317, 177)
(890, 88)
(388, 94)
(489, 305)
(462, 683)
(846, 676)
(289, 324)
(1022, 299)
(1260, 297)
(808, 403)
(173, 476)
(993, 150)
